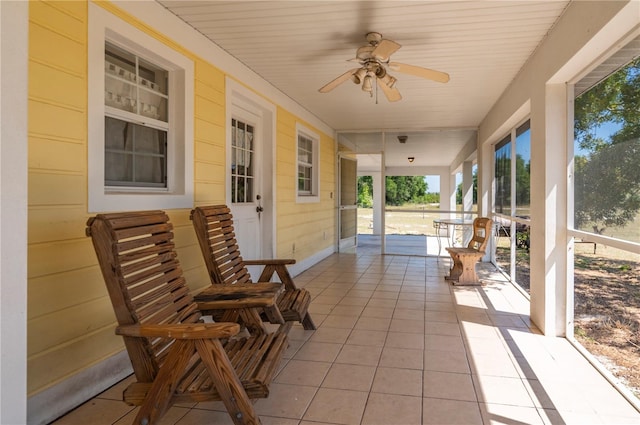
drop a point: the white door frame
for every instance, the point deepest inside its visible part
(350, 243)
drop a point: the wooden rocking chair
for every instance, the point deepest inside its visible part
(216, 236)
(463, 269)
(175, 357)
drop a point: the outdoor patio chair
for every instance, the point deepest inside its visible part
(175, 356)
(214, 228)
(464, 259)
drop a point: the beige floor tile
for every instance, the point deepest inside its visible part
(357, 291)
(452, 386)
(440, 316)
(410, 304)
(366, 337)
(373, 323)
(270, 420)
(500, 390)
(405, 340)
(318, 351)
(327, 299)
(444, 343)
(446, 361)
(373, 311)
(443, 298)
(441, 328)
(301, 372)
(437, 411)
(299, 333)
(381, 302)
(320, 308)
(408, 314)
(402, 358)
(494, 414)
(173, 416)
(354, 301)
(286, 401)
(96, 411)
(337, 406)
(407, 325)
(350, 377)
(198, 417)
(388, 409)
(347, 310)
(439, 306)
(115, 391)
(359, 355)
(398, 381)
(338, 321)
(495, 364)
(294, 346)
(334, 335)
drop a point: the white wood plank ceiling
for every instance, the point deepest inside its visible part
(298, 46)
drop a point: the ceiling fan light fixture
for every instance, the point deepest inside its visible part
(359, 75)
(367, 84)
(389, 81)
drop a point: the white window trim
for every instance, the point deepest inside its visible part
(315, 176)
(104, 26)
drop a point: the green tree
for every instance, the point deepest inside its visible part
(607, 174)
(365, 191)
(405, 189)
(474, 190)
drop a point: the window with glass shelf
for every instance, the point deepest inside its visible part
(136, 120)
(308, 151)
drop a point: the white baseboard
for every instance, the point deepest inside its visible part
(300, 266)
(50, 404)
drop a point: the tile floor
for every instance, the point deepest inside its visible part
(396, 344)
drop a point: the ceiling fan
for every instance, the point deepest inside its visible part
(374, 61)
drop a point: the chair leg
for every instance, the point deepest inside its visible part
(251, 319)
(158, 399)
(227, 383)
(456, 269)
(307, 323)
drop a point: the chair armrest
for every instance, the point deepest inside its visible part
(270, 262)
(245, 295)
(181, 330)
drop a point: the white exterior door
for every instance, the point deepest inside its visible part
(245, 181)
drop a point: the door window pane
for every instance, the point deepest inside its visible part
(242, 155)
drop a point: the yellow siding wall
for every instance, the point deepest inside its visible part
(295, 219)
(70, 319)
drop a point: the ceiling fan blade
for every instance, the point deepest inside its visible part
(393, 95)
(384, 49)
(335, 83)
(418, 71)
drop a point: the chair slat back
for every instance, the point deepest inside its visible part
(144, 280)
(217, 239)
(481, 233)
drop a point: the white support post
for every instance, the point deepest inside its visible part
(378, 202)
(549, 210)
(14, 28)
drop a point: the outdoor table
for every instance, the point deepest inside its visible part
(449, 225)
